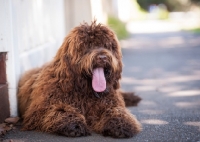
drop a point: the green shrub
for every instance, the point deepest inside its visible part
(196, 30)
(163, 14)
(118, 27)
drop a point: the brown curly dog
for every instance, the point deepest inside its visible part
(78, 91)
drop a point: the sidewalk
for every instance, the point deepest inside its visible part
(163, 69)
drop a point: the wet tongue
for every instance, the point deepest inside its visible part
(98, 80)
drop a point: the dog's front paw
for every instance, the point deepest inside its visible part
(121, 128)
(75, 129)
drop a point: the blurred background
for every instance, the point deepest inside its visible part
(31, 31)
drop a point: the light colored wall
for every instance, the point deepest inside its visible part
(7, 44)
(31, 31)
(38, 22)
(97, 10)
(40, 29)
(77, 11)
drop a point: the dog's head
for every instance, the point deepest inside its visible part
(93, 52)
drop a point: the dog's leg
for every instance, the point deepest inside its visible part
(130, 98)
(119, 123)
(62, 119)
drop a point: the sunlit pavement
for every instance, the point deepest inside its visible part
(163, 69)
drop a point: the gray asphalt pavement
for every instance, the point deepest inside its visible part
(163, 69)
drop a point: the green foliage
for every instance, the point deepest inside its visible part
(118, 27)
(144, 4)
(172, 5)
(196, 30)
(163, 14)
(195, 1)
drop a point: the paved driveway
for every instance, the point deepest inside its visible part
(164, 69)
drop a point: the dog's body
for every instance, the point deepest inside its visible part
(78, 91)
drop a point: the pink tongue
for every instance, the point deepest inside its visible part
(98, 80)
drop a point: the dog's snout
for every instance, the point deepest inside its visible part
(102, 57)
(101, 60)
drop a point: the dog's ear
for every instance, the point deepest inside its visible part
(62, 51)
(117, 77)
(62, 59)
(62, 63)
(116, 85)
(68, 55)
(66, 51)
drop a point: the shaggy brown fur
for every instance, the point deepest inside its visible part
(59, 97)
